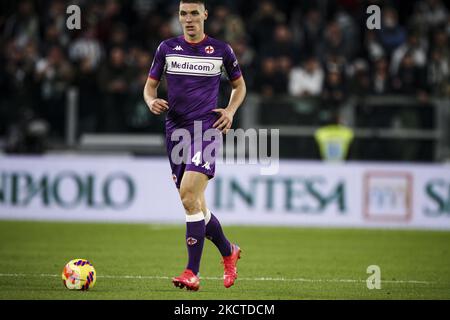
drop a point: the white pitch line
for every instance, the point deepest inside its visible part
(219, 278)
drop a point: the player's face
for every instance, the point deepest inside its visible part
(192, 18)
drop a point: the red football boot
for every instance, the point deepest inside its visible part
(187, 279)
(229, 266)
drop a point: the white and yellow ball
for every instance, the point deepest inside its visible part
(79, 274)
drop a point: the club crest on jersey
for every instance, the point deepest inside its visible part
(191, 241)
(209, 49)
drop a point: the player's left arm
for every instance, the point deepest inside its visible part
(237, 96)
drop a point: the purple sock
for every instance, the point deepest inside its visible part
(195, 238)
(215, 234)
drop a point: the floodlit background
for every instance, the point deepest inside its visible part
(364, 143)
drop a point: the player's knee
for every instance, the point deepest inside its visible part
(191, 202)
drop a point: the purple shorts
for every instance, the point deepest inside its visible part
(188, 151)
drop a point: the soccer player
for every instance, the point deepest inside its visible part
(192, 64)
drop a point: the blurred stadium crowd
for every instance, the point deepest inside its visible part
(297, 48)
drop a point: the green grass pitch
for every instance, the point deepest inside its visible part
(137, 261)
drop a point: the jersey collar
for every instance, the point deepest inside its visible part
(195, 43)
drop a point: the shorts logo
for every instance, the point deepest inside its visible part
(174, 178)
(191, 241)
(209, 49)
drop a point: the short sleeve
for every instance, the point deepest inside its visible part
(159, 62)
(231, 64)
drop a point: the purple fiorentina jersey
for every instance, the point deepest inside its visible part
(193, 72)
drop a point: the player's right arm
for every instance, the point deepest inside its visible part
(156, 105)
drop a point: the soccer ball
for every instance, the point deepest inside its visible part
(79, 274)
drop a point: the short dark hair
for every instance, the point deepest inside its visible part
(203, 2)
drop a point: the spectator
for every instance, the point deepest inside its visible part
(52, 38)
(24, 25)
(334, 42)
(235, 29)
(20, 71)
(313, 26)
(285, 66)
(335, 62)
(439, 64)
(87, 47)
(438, 74)
(282, 44)
(54, 75)
(246, 57)
(432, 12)
(89, 96)
(118, 37)
(439, 41)
(380, 80)
(114, 80)
(174, 23)
(334, 91)
(415, 46)
(138, 118)
(263, 22)
(271, 81)
(164, 31)
(408, 79)
(374, 49)
(306, 80)
(349, 31)
(56, 17)
(112, 14)
(360, 78)
(217, 23)
(391, 34)
(144, 7)
(28, 134)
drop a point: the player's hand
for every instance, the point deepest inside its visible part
(158, 106)
(225, 121)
